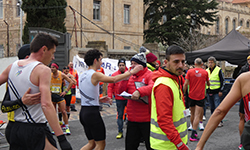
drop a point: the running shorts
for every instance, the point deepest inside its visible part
(92, 122)
(193, 102)
(28, 136)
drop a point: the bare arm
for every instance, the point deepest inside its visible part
(46, 103)
(185, 86)
(4, 75)
(233, 96)
(208, 83)
(69, 86)
(100, 77)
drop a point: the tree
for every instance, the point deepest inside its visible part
(44, 13)
(168, 20)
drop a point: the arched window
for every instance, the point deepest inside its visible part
(218, 25)
(234, 24)
(241, 23)
(226, 25)
(247, 24)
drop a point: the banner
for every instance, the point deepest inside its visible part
(109, 65)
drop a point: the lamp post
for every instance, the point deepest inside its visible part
(8, 39)
(19, 3)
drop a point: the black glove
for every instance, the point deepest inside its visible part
(64, 144)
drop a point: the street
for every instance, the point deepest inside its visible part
(224, 138)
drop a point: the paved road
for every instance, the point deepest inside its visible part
(224, 138)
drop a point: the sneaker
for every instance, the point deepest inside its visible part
(240, 147)
(119, 136)
(63, 127)
(220, 124)
(194, 138)
(61, 123)
(201, 127)
(204, 118)
(52, 132)
(73, 109)
(67, 131)
(190, 128)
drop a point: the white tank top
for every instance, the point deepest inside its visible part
(89, 92)
(20, 77)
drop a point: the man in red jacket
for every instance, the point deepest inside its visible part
(138, 112)
(121, 102)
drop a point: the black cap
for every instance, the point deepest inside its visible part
(24, 51)
(122, 60)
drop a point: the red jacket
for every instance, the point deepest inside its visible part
(113, 88)
(164, 104)
(138, 111)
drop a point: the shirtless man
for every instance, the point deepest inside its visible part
(33, 73)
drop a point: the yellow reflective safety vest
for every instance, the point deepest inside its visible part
(158, 139)
(214, 78)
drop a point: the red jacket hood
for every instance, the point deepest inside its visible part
(163, 72)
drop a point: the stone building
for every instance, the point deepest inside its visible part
(231, 14)
(122, 18)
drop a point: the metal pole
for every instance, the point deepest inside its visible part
(21, 23)
(81, 20)
(8, 39)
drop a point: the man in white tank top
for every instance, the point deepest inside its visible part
(27, 120)
(89, 89)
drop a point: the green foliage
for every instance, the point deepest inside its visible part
(44, 13)
(181, 15)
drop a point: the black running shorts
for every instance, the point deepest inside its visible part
(92, 122)
(193, 102)
(29, 136)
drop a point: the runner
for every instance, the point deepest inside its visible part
(30, 130)
(90, 116)
(57, 94)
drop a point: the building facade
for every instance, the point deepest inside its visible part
(117, 22)
(232, 14)
(120, 22)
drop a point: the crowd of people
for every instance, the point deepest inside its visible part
(162, 93)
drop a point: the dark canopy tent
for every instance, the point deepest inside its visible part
(233, 48)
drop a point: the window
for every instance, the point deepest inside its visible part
(1, 8)
(126, 14)
(234, 24)
(241, 23)
(1, 51)
(97, 10)
(18, 8)
(226, 26)
(127, 47)
(247, 24)
(218, 26)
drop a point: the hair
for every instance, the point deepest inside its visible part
(173, 49)
(198, 61)
(91, 55)
(43, 39)
(212, 58)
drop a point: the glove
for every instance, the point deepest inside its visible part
(64, 144)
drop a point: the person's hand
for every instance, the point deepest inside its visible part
(136, 69)
(31, 99)
(64, 144)
(106, 99)
(220, 94)
(136, 95)
(63, 94)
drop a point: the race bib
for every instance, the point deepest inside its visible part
(55, 89)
